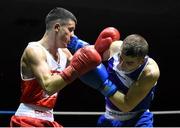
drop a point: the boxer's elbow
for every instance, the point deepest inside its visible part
(125, 108)
(122, 102)
(54, 85)
(49, 90)
(50, 87)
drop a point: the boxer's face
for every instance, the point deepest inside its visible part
(65, 33)
(128, 63)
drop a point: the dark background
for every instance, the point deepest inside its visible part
(157, 20)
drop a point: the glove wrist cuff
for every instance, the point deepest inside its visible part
(108, 88)
(69, 74)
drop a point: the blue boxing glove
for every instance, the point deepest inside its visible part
(98, 79)
(76, 44)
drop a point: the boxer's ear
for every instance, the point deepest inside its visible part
(57, 27)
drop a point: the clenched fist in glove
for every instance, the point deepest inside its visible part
(84, 60)
(105, 39)
(103, 42)
(76, 44)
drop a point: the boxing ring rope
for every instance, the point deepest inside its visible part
(100, 113)
(94, 113)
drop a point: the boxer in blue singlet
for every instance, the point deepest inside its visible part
(128, 82)
(135, 76)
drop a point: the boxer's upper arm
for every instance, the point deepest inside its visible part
(36, 59)
(139, 90)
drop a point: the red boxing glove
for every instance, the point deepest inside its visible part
(84, 60)
(105, 38)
